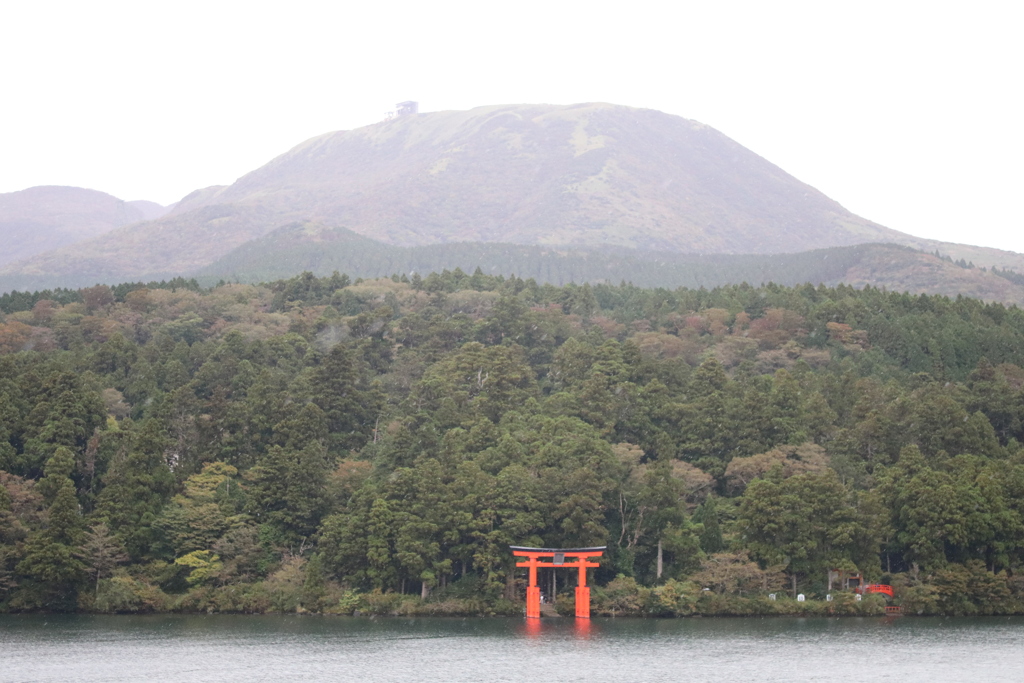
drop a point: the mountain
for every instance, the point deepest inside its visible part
(584, 176)
(42, 219)
(311, 247)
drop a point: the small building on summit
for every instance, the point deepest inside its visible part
(407, 108)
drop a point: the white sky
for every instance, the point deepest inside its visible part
(907, 113)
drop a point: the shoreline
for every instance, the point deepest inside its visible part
(505, 617)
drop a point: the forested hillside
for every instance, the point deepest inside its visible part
(374, 446)
(310, 247)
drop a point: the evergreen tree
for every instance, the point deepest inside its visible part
(51, 568)
(57, 472)
(288, 490)
(380, 546)
(136, 486)
(711, 537)
(351, 409)
(11, 532)
(314, 586)
(9, 420)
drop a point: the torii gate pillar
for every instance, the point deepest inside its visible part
(558, 557)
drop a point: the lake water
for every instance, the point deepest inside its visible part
(307, 648)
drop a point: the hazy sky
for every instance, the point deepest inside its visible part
(909, 114)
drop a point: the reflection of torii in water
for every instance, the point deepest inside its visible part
(558, 556)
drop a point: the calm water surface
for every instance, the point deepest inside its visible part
(307, 648)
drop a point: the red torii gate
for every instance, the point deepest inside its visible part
(557, 556)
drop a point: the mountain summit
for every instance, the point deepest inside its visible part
(582, 175)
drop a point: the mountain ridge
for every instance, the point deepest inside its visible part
(590, 175)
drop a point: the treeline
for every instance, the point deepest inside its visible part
(17, 301)
(333, 445)
(1005, 273)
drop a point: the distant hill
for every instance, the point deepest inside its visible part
(310, 247)
(45, 218)
(592, 176)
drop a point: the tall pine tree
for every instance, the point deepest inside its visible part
(350, 406)
(136, 486)
(51, 567)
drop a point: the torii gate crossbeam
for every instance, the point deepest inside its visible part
(558, 557)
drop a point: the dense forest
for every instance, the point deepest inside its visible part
(299, 247)
(324, 445)
(310, 247)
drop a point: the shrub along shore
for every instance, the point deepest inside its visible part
(622, 597)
